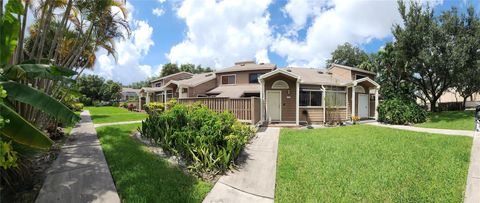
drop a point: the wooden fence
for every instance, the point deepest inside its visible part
(245, 109)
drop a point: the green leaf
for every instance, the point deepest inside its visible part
(14, 6)
(21, 131)
(39, 100)
(32, 71)
(62, 71)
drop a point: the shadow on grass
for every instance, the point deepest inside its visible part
(141, 176)
(449, 116)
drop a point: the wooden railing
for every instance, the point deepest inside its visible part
(244, 109)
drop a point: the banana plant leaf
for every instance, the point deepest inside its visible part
(21, 131)
(31, 71)
(39, 100)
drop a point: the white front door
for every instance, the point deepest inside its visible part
(274, 111)
(363, 105)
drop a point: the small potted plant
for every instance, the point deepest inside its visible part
(355, 119)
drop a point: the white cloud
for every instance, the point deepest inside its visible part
(333, 23)
(162, 1)
(158, 12)
(222, 32)
(128, 68)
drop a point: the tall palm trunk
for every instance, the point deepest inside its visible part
(45, 29)
(22, 33)
(59, 31)
(42, 21)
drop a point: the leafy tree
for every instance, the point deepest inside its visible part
(393, 74)
(427, 45)
(169, 68)
(111, 91)
(90, 86)
(349, 55)
(468, 78)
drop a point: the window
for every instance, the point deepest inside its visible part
(158, 84)
(310, 98)
(337, 99)
(253, 77)
(184, 90)
(228, 79)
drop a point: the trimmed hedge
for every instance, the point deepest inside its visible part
(208, 141)
(401, 112)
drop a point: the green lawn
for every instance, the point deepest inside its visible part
(370, 164)
(141, 176)
(456, 120)
(109, 114)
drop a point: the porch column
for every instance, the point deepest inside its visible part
(147, 100)
(297, 105)
(262, 95)
(376, 102)
(353, 99)
(140, 101)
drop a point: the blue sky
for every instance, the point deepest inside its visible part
(218, 33)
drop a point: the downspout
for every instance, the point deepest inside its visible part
(323, 102)
(297, 105)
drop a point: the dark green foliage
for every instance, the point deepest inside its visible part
(207, 140)
(172, 68)
(349, 55)
(398, 111)
(95, 89)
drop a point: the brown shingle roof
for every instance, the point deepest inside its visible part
(315, 76)
(196, 79)
(235, 91)
(248, 66)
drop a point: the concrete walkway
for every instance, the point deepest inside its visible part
(254, 181)
(116, 123)
(426, 130)
(472, 193)
(80, 173)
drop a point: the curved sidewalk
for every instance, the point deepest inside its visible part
(426, 130)
(254, 180)
(80, 173)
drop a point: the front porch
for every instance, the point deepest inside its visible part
(286, 99)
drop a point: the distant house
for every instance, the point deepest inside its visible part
(240, 80)
(129, 94)
(287, 95)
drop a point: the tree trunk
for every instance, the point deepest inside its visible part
(22, 33)
(464, 102)
(59, 32)
(46, 28)
(37, 39)
(1, 9)
(433, 105)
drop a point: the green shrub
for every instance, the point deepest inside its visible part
(207, 140)
(154, 107)
(76, 106)
(398, 111)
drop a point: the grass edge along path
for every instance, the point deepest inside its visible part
(109, 114)
(140, 175)
(453, 120)
(370, 164)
